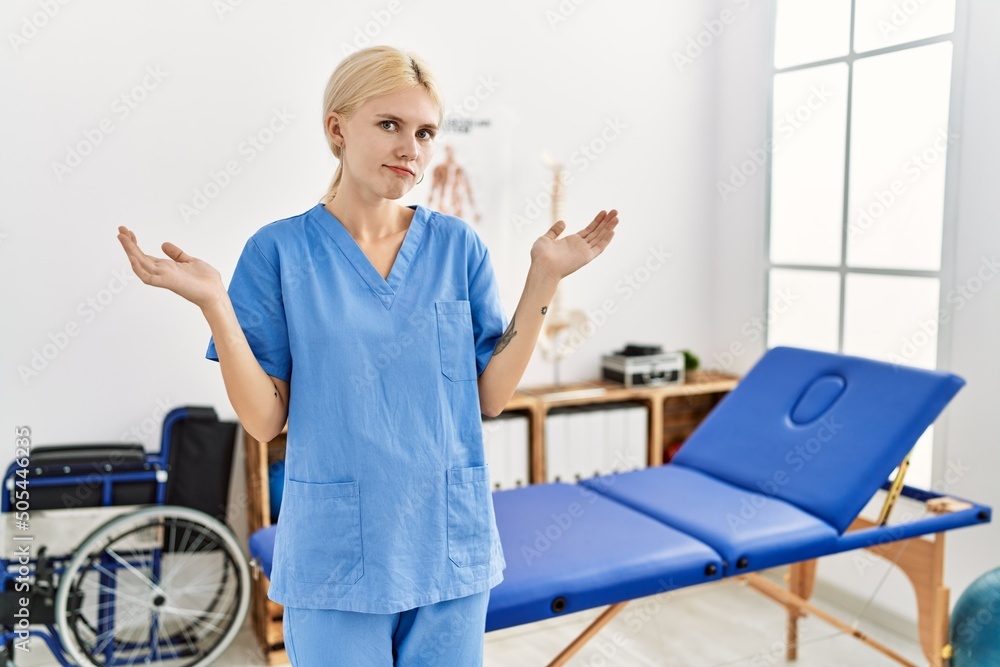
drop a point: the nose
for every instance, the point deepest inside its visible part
(408, 148)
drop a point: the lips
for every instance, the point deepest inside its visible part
(400, 170)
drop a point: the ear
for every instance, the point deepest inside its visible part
(334, 127)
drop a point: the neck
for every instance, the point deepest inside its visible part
(369, 219)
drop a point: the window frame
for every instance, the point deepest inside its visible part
(946, 275)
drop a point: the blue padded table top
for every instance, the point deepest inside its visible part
(819, 430)
(750, 530)
(569, 549)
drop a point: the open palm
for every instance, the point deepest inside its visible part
(195, 280)
(560, 257)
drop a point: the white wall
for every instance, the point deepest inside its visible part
(970, 461)
(224, 76)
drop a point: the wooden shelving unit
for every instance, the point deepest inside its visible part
(674, 412)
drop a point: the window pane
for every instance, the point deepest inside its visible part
(807, 165)
(805, 32)
(881, 23)
(899, 142)
(803, 309)
(922, 461)
(892, 318)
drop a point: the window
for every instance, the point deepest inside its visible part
(860, 136)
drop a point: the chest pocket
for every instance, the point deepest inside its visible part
(456, 340)
(469, 515)
(325, 521)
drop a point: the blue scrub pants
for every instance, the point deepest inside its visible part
(450, 632)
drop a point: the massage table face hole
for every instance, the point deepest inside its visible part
(817, 399)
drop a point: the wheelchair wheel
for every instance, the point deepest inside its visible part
(163, 584)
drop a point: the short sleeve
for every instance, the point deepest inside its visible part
(255, 292)
(489, 320)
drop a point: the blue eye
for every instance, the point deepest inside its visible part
(384, 122)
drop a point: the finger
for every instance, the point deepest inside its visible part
(589, 229)
(138, 269)
(175, 253)
(127, 232)
(556, 229)
(142, 264)
(602, 239)
(608, 225)
(600, 222)
(599, 247)
(131, 249)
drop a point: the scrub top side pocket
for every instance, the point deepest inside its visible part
(468, 515)
(456, 340)
(324, 522)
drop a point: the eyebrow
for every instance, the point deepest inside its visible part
(390, 116)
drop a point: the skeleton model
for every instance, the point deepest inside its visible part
(450, 186)
(560, 323)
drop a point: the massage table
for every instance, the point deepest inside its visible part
(777, 474)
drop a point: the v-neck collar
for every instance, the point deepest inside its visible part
(384, 288)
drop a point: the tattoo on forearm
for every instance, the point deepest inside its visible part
(505, 338)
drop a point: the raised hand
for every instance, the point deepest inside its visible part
(559, 257)
(190, 277)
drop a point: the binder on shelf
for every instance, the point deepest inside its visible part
(517, 463)
(505, 441)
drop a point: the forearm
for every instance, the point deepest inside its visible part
(252, 392)
(512, 353)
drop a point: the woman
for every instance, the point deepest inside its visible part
(391, 320)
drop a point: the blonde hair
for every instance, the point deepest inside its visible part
(370, 72)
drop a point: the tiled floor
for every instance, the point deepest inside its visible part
(715, 625)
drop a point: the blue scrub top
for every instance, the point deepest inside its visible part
(387, 503)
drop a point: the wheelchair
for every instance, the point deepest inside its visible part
(115, 556)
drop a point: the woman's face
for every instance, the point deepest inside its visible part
(389, 142)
